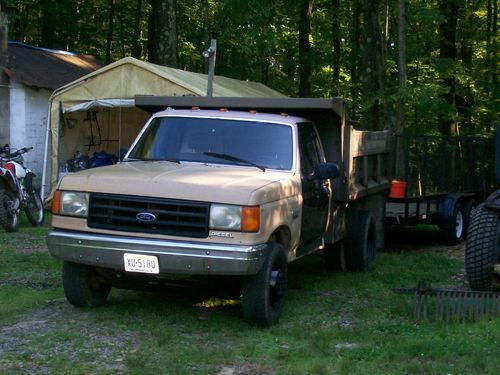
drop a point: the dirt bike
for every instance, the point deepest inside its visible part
(17, 191)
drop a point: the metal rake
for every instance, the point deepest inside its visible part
(452, 305)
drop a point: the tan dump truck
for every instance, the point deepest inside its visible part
(233, 187)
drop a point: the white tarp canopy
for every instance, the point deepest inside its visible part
(96, 112)
(103, 103)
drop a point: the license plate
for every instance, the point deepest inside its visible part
(141, 263)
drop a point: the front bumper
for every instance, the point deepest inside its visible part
(174, 257)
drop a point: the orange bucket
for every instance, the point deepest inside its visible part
(398, 189)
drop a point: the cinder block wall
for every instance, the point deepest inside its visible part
(28, 122)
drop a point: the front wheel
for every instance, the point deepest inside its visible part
(9, 210)
(83, 286)
(34, 208)
(264, 292)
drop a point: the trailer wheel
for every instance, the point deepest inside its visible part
(264, 292)
(455, 227)
(482, 250)
(83, 287)
(361, 244)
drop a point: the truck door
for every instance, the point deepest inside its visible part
(315, 193)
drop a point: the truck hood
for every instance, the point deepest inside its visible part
(189, 181)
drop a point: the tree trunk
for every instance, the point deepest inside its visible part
(355, 47)
(448, 53)
(373, 66)
(49, 21)
(206, 30)
(306, 10)
(400, 119)
(152, 32)
(4, 38)
(401, 66)
(336, 45)
(136, 42)
(109, 40)
(491, 45)
(164, 43)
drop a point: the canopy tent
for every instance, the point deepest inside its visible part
(96, 112)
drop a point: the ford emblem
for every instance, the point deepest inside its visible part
(146, 216)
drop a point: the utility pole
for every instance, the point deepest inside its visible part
(211, 54)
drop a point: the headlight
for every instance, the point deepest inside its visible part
(225, 217)
(70, 203)
(235, 218)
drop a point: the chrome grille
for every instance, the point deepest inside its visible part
(172, 217)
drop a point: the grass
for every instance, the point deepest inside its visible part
(333, 323)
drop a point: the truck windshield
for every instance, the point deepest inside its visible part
(221, 141)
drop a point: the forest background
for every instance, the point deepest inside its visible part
(422, 66)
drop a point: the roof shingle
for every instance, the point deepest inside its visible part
(46, 68)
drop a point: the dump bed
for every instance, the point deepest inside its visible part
(362, 156)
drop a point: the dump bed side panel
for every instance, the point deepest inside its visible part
(367, 161)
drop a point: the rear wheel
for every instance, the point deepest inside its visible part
(83, 286)
(34, 208)
(361, 244)
(264, 292)
(483, 248)
(9, 210)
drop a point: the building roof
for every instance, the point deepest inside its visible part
(46, 68)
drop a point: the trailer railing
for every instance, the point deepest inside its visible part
(442, 164)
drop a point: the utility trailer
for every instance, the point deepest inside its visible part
(443, 179)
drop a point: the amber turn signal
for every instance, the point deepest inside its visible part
(56, 202)
(250, 219)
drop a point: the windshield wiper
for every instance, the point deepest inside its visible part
(234, 158)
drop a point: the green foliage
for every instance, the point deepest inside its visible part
(258, 40)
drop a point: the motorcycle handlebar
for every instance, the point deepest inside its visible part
(17, 153)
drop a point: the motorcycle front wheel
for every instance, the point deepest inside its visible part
(34, 208)
(9, 210)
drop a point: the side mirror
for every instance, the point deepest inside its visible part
(325, 171)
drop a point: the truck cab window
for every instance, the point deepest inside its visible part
(310, 154)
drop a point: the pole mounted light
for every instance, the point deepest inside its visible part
(210, 54)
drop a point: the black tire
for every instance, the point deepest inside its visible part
(482, 250)
(455, 228)
(9, 210)
(469, 208)
(361, 243)
(83, 286)
(264, 292)
(34, 208)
